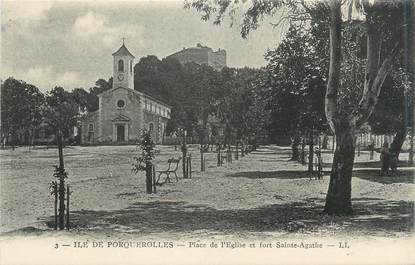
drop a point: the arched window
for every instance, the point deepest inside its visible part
(150, 127)
(91, 127)
(120, 65)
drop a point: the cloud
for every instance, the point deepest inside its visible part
(45, 78)
(26, 10)
(89, 25)
(69, 80)
(39, 76)
(97, 27)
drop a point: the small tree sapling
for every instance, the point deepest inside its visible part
(143, 161)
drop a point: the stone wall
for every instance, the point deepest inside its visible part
(217, 59)
(156, 125)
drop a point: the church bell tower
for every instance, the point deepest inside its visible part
(123, 70)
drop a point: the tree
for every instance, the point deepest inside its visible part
(381, 19)
(21, 110)
(295, 77)
(61, 111)
(344, 124)
(143, 161)
(199, 94)
(239, 106)
(34, 103)
(61, 114)
(190, 89)
(257, 116)
(393, 119)
(88, 101)
(101, 85)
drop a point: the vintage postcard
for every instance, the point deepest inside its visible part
(207, 132)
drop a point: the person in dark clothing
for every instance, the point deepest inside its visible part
(371, 149)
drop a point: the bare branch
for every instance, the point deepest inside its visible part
(370, 97)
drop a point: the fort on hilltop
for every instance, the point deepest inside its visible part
(201, 55)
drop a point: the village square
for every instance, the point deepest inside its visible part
(252, 138)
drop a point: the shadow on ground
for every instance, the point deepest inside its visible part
(280, 159)
(371, 217)
(373, 164)
(402, 176)
(281, 174)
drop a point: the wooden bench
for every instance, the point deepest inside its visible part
(173, 166)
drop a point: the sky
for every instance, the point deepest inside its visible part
(69, 44)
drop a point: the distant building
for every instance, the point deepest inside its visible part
(123, 111)
(201, 55)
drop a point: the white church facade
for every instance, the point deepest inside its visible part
(123, 112)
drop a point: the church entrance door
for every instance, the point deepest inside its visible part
(120, 133)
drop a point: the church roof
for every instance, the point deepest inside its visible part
(135, 92)
(123, 51)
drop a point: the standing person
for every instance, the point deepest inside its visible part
(385, 158)
(371, 149)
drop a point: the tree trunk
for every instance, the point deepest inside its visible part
(55, 194)
(32, 139)
(3, 142)
(149, 176)
(398, 140)
(338, 199)
(302, 151)
(242, 149)
(61, 182)
(60, 149)
(411, 150)
(219, 158)
(236, 150)
(67, 206)
(202, 168)
(12, 141)
(310, 153)
(294, 148)
(184, 153)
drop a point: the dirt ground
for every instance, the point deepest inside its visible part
(261, 195)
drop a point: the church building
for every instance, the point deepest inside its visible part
(124, 112)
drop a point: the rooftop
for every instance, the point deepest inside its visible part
(123, 51)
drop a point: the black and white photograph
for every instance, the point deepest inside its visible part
(207, 132)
